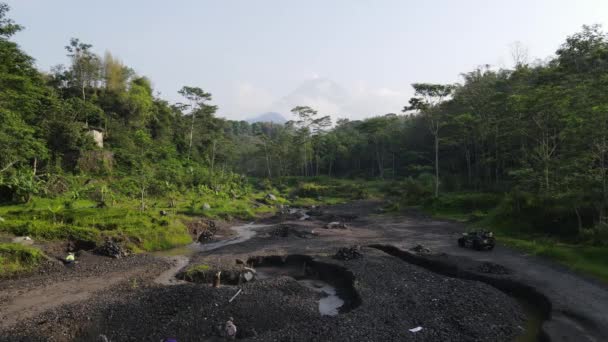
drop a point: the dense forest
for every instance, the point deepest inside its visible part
(532, 139)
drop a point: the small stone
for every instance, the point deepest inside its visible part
(206, 206)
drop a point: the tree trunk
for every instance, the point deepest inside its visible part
(213, 155)
(191, 136)
(436, 163)
(267, 160)
(143, 204)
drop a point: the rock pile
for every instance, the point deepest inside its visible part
(111, 249)
(348, 253)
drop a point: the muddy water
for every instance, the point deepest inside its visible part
(330, 303)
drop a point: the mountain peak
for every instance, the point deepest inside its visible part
(268, 117)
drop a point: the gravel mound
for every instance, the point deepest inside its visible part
(395, 297)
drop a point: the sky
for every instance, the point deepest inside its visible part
(345, 58)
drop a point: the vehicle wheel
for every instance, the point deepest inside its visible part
(490, 247)
(476, 246)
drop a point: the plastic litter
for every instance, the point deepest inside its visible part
(238, 292)
(416, 329)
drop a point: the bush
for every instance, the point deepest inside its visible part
(415, 192)
(311, 190)
(596, 235)
(17, 258)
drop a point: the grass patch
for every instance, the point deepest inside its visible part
(585, 259)
(16, 258)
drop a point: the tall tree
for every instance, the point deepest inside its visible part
(428, 99)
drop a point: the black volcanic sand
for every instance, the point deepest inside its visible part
(393, 296)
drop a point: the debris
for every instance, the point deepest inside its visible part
(248, 274)
(348, 253)
(230, 329)
(416, 329)
(336, 225)
(236, 294)
(421, 249)
(70, 259)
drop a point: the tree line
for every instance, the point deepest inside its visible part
(538, 129)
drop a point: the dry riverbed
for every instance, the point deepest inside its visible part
(300, 292)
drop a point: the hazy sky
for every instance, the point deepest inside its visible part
(346, 58)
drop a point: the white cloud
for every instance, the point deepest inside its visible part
(248, 100)
(326, 96)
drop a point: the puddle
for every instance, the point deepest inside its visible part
(334, 283)
(330, 303)
(533, 324)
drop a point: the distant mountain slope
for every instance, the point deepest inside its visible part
(268, 117)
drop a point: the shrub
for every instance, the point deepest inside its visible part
(17, 258)
(311, 190)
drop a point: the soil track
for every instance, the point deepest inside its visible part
(452, 293)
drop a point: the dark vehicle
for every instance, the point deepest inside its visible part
(477, 240)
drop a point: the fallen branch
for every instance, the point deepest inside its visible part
(237, 293)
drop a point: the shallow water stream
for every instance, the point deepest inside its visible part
(180, 256)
